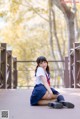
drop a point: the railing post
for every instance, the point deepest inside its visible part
(3, 63)
(71, 70)
(66, 74)
(9, 70)
(14, 72)
(76, 65)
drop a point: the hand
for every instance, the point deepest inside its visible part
(50, 92)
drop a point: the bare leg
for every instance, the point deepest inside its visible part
(45, 102)
(48, 96)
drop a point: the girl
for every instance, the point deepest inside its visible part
(42, 93)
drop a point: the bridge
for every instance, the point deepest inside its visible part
(16, 100)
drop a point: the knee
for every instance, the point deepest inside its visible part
(60, 98)
(45, 96)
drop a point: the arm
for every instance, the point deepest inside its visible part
(46, 84)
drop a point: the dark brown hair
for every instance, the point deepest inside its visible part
(39, 60)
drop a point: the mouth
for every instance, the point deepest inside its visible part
(44, 67)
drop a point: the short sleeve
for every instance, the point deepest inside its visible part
(40, 72)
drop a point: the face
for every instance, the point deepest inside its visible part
(43, 65)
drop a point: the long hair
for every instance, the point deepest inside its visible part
(39, 60)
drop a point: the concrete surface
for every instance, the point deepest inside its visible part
(17, 102)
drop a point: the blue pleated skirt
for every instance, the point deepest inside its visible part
(38, 92)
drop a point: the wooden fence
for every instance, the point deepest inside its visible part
(75, 66)
(9, 73)
(8, 68)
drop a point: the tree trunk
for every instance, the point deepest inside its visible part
(51, 27)
(70, 18)
(56, 37)
(71, 32)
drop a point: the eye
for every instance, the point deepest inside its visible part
(45, 62)
(40, 62)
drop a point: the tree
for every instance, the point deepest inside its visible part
(70, 20)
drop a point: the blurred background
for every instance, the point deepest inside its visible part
(35, 28)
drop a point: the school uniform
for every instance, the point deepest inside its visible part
(40, 90)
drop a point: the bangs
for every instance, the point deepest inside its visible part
(41, 59)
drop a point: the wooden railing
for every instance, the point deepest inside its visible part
(66, 73)
(75, 66)
(57, 75)
(8, 68)
(9, 73)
